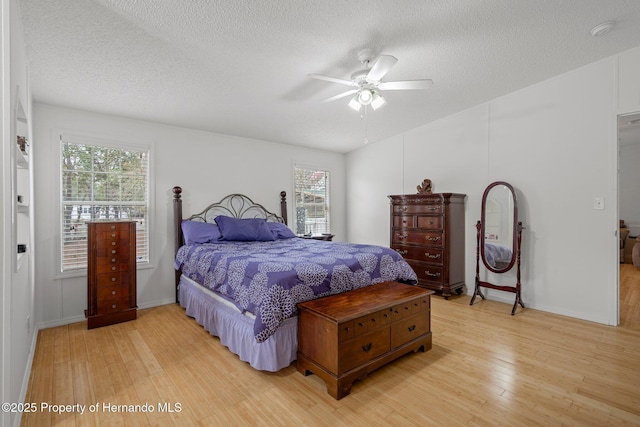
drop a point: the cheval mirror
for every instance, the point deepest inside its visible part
(499, 237)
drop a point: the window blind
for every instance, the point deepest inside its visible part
(101, 183)
(312, 200)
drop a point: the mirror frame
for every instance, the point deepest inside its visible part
(514, 243)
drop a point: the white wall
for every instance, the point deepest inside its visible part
(17, 293)
(207, 166)
(555, 142)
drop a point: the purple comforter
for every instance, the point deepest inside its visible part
(268, 279)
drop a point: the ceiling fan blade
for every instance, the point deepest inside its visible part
(381, 67)
(332, 79)
(341, 95)
(406, 85)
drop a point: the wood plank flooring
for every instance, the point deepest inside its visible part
(486, 368)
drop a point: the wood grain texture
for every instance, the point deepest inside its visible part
(486, 368)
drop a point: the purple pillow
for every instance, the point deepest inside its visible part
(280, 230)
(244, 229)
(195, 232)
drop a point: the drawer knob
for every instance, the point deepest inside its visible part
(113, 251)
(113, 243)
(113, 292)
(411, 328)
(432, 256)
(432, 239)
(367, 347)
(360, 324)
(402, 236)
(113, 268)
(113, 279)
(113, 260)
(347, 329)
(430, 274)
(113, 306)
(113, 234)
(113, 227)
(402, 252)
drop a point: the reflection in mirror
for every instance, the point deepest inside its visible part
(499, 237)
(499, 217)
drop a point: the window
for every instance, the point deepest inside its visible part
(100, 181)
(312, 200)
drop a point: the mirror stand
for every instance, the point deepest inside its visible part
(482, 284)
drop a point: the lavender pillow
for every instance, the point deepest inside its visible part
(244, 229)
(195, 232)
(280, 230)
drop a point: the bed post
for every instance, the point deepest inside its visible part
(283, 206)
(177, 227)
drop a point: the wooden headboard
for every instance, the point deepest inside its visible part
(234, 205)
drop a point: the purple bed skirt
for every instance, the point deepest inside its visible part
(235, 329)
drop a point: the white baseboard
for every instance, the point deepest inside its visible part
(27, 374)
(76, 319)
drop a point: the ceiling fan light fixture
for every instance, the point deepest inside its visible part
(377, 101)
(355, 103)
(365, 96)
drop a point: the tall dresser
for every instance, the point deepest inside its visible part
(428, 231)
(111, 275)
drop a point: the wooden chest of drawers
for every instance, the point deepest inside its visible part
(111, 273)
(343, 337)
(428, 231)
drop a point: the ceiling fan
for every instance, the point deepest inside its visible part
(367, 83)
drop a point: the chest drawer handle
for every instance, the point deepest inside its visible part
(113, 227)
(432, 256)
(113, 279)
(113, 306)
(347, 329)
(433, 208)
(412, 328)
(402, 236)
(113, 234)
(113, 251)
(367, 347)
(113, 292)
(113, 243)
(402, 252)
(432, 239)
(430, 274)
(403, 208)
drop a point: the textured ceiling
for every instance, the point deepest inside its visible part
(240, 67)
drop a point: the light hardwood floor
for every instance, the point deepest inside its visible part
(486, 368)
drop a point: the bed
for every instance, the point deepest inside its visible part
(497, 256)
(240, 272)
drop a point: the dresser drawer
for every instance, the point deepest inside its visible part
(113, 292)
(417, 209)
(420, 237)
(431, 273)
(433, 255)
(112, 226)
(112, 279)
(409, 328)
(113, 305)
(111, 264)
(430, 222)
(113, 250)
(361, 349)
(408, 221)
(113, 242)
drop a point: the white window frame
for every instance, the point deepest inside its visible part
(102, 141)
(294, 222)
